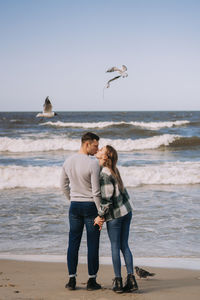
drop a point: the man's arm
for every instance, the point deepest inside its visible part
(95, 171)
(64, 182)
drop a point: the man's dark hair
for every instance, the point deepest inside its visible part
(89, 136)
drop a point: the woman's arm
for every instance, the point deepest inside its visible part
(107, 190)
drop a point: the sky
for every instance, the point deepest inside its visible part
(62, 49)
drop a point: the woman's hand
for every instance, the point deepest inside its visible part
(99, 221)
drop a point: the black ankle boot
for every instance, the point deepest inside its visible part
(71, 285)
(131, 284)
(92, 284)
(117, 285)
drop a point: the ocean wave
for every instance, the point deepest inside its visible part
(38, 145)
(144, 125)
(154, 142)
(67, 144)
(159, 125)
(170, 173)
(186, 142)
(16, 121)
(29, 177)
(82, 125)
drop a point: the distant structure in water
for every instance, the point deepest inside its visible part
(47, 110)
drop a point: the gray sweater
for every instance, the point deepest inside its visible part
(80, 179)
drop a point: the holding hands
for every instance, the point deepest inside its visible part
(99, 221)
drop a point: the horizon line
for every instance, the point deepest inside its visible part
(34, 111)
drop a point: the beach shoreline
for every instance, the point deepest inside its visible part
(46, 281)
(187, 263)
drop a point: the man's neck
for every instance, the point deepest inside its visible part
(83, 151)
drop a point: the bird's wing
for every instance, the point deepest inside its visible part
(109, 81)
(113, 69)
(145, 273)
(124, 68)
(47, 107)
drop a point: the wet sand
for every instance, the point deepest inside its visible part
(41, 280)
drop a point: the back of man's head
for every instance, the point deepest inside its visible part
(89, 136)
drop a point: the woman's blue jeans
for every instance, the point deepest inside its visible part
(80, 214)
(118, 232)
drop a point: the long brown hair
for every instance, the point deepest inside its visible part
(111, 163)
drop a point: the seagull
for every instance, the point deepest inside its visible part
(143, 273)
(47, 109)
(122, 73)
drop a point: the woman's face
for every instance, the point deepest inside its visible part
(101, 154)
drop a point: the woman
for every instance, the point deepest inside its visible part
(116, 210)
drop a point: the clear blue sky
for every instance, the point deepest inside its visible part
(62, 49)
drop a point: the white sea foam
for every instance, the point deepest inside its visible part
(38, 145)
(141, 144)
(64, 143)
(83, 125)
(29, 177)
(145, 125)
(174, 173)
(49, 177)
(190, 263)
(159, 125)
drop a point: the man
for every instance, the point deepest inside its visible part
(80, 184)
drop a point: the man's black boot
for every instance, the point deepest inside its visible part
(131, 284)
(117, 285)
(71, 285)
(92, 284)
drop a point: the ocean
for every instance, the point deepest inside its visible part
(159, 160)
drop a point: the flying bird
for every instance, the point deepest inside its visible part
(47, 109)
(122, 73)
(143, 273)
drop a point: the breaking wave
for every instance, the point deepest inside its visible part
(38, 145)
(146, 125)
(68, 144)
(170, 173)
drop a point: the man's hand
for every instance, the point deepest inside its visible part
(99, 221)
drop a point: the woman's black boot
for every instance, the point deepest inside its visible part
(117, 285)
(131, 284)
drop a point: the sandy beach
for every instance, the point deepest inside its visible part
(41, 280)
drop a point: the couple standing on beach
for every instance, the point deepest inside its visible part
(97, 195)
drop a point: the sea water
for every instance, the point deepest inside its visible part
(159, 160)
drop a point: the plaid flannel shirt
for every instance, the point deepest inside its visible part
(114, 203)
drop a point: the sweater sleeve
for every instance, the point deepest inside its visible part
(64, 182)
(95, 170)
(107, 190)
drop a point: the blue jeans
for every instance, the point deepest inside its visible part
(118, 232)
(80, 214)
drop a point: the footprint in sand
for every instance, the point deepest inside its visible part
(11, 284)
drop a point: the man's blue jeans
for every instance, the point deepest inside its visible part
(118, 232)
(80, 214)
